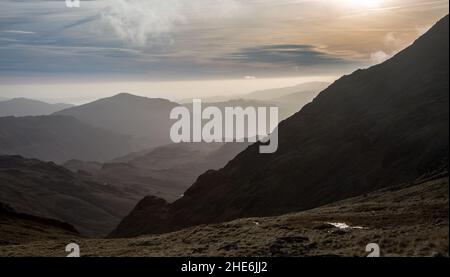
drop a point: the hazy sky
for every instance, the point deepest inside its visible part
(162, 47)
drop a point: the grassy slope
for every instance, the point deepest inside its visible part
(407, 220)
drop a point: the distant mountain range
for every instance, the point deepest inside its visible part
(62, 138)
(105, 129)
(375, 128)
(28, 107)
(309, 88)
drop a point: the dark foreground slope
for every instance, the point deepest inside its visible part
(405, 220)
(375, 128)
(18, 228)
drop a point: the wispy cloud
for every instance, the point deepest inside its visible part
(296, 55)
(141, 21)
(21, 32)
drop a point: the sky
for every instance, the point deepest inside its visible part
(184, 48)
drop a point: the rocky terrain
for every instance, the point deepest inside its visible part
(405, 220)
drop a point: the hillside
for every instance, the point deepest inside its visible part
(310, 88)
(410, 220)
(18, 228)
(42, 189)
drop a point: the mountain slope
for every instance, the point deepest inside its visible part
(410, 220)
(272, 94)
(61, 138)
(29, 107)
(378, 127)
(128, 114)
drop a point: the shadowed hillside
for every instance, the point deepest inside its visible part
(94, 206)
(19, 228)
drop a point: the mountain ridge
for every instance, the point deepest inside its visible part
(29, 107)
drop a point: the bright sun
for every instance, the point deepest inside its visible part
(364, 3)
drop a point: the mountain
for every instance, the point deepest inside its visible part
(298, 97)
(375, 128)
(94, 206)
(410, 220)
(61, 138)
(29, 107)
(310, 88)
(286, 109)
(18, 228)
(128, 114)
(167, 171)
(3, 99)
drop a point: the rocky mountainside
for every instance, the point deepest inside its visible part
(375, 128)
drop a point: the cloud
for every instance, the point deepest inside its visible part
(379, 57)
(392, 39)
(141, 21)
(291, 54)
(21, 32)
